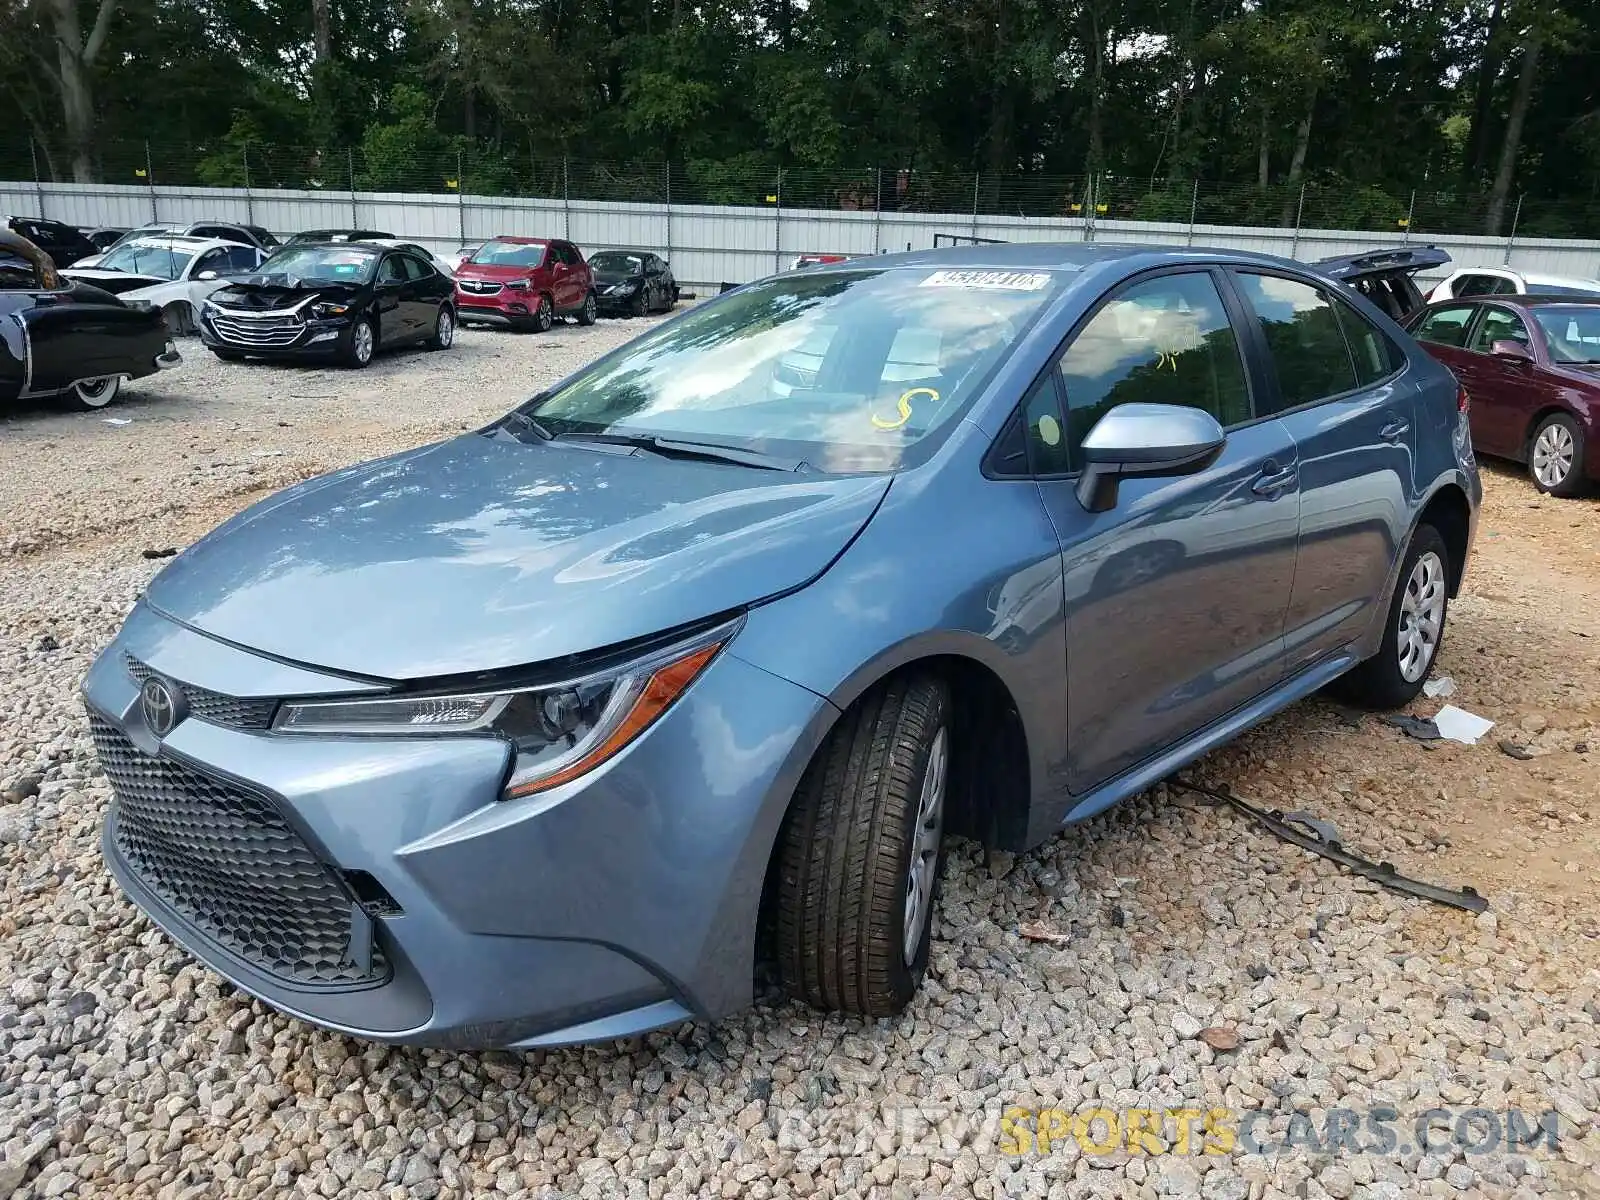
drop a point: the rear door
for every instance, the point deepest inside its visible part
(1175, 597)
(1336, 382)
(1443, 332)
(395, 319)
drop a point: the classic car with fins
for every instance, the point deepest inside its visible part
(61, 337)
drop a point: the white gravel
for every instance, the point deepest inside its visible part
(127, 1070)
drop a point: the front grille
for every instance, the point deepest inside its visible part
(227, 861)
(257, 331)
(479, 287)
(212, 707)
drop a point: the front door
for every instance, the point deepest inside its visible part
(1175, 597)
(1505, 392)
(1444, 333)
(1334, 381)
(394, 317)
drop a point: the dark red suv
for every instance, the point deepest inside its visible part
(525, 283)
(1531, 365)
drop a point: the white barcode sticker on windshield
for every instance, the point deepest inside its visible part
(1009, 281)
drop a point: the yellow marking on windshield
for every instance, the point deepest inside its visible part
(904, 405)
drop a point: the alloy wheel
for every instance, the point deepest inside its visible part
(362, 343)
(1421, 623)
(923, 868)
(1553, 454)
(445, 333)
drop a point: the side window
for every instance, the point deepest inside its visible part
(211, 260)
(1374, 355)
(1483, 285)
(1498, 325)
(214, 231)
(570, 255)
(416, 268)
(391, 271)
(1445, 327)
(1167, 340)
(16, 272)
(244, 258)
(1303, 336)
(1048, 452)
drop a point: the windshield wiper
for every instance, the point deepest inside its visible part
(682, 448)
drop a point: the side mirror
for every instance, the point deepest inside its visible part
(1508, 349)
(206, 275)
(1134, 440)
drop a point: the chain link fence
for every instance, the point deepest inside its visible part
(445, 165)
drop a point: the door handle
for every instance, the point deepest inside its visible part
(1273, 482)
(1394, 430)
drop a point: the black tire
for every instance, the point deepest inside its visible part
(1381, 681)
(544, 316)
(590, 310)
(360, 348)
(846, 850)
(637, 307)
(1567, 435)
(228, 355)
(444, 329)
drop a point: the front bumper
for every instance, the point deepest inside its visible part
(621, 902)
(312, 339)
(504, 308)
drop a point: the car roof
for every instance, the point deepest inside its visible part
(1061, 256)
(1534, 299)
(1533, 279)
(520, 241)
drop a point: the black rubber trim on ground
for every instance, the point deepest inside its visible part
(1381, 873)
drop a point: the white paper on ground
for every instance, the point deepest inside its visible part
(1458, 725)
(1440, 688)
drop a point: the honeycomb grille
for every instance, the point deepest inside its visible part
(227, 862)
(213, 707)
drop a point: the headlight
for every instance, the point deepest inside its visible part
(326, 309)
(623, 288)
(560, 731)
(139, 305)
(519, 285)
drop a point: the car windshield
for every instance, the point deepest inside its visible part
(1558, 289)
(509, 254)
(147, 258)
(323, 264)
(1572, 331)
(143, 231)
(845, 371)
(617, 263)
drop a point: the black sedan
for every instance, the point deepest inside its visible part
(632, 283)
(60, 338)
(336, 300)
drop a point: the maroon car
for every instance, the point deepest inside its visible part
(525, 283)
(1531, 365)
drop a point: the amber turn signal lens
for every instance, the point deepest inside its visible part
(664, 686)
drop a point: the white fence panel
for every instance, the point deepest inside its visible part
(710, 244)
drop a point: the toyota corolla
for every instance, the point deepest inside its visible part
(553, 731)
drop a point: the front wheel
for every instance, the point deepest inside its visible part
(589, 311)
(545, 316)
(1413, 631)
(444, 329)
(860, 854)
(363, 341)
(1555, 459)
(90, 394)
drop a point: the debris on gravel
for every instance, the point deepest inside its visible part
(1203, 1041)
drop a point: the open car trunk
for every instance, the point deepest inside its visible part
(1386, 277)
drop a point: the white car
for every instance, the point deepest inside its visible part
(1503, 281)
(171, 274)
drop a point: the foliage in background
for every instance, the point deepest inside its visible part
(1006, 105)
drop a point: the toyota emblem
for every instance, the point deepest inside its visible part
(159, 701)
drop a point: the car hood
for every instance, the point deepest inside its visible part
(279, 291)
(480, 553)
(472, 270)
(116, 282)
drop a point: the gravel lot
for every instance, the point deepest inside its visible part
(127, 1070)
